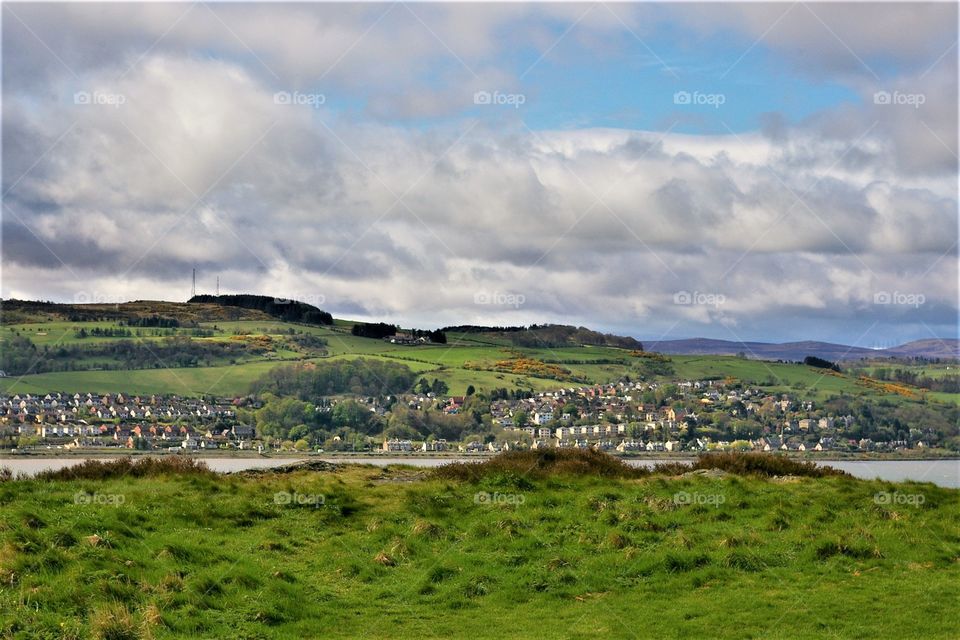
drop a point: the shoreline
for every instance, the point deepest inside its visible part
(453, 455)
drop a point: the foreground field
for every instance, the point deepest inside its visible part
(368, 552)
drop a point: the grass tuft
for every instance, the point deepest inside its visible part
(114, 622)
(514, 469)
(147, 467)
(540, 464)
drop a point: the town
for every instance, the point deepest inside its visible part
(624, 418)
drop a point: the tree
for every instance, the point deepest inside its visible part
(351, 414)
(471, 390)
(439, 387)
(820, 363)
(301, 431)
(520, 419)
(279, 415)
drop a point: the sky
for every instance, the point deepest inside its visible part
(762, 171)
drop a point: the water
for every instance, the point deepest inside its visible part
(945, 473)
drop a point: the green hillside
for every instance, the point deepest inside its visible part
(469, 358)
(356, 551)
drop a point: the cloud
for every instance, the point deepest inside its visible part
(201, 165)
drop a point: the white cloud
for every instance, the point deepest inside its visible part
(302, 201)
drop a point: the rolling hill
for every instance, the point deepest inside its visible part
(795, 351)
(102, 348)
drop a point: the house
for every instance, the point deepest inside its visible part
(434, 445)
(543, 417)
(771, 443)
(397, 446)
(242, 431)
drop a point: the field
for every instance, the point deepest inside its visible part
(195, 381)
(467, 359)
(367, 552)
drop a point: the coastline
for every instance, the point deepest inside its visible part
(452, 455)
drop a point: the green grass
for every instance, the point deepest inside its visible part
(390, 554)
(926, 370)
(445, 362)
(949, 398)
(786, 377)
(64, 333)
(228, 380)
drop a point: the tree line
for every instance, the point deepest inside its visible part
(282, 309)
(21, 355)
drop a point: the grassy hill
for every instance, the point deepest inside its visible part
(485, 360)
(394, 553)
(29, 311)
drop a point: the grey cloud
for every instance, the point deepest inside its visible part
(293, 207)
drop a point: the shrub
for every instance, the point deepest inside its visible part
(541, 463)
(544, 463)
(758, 464)
(129, 467)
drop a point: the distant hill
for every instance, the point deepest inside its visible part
(280, 308)
(795, 351)
(29, 311)
(932, 348)
(549, 335)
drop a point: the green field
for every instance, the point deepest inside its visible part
(64, 333)
(195, 381)
(948, 398)
(367, 552)
(448, 362)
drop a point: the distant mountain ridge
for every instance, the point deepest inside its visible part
(930, 348)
